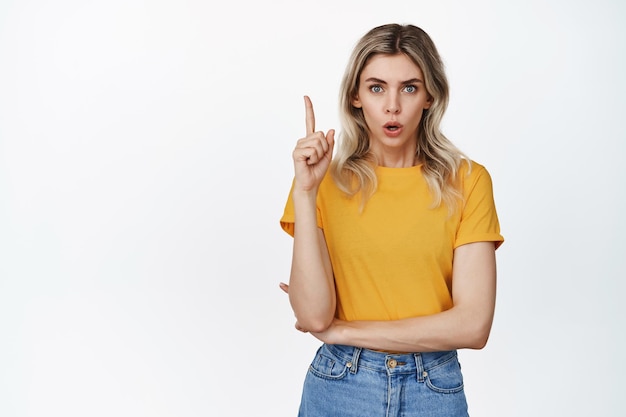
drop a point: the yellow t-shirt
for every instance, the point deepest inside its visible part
(393, 260)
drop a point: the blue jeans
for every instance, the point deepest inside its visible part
(346, 381)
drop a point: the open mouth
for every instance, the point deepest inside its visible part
(392, 125)
(393, 128)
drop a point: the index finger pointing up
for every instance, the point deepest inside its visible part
(310, 115)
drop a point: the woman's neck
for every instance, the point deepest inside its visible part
(395, 158)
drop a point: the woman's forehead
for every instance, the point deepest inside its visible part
(396, 67)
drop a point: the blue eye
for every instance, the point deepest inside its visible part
(410, 89)
(376, 89)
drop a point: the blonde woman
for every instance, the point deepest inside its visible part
(393, 265)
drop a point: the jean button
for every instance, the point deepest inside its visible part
(392, 363)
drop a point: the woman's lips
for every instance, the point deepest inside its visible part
(392, 129)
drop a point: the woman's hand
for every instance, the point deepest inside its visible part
(312, 154)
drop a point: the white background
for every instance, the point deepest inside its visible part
(145, 160)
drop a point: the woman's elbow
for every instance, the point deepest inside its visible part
(478, 337)
(478, 343)
(315, 324)
(319, 327)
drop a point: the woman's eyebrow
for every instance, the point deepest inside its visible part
(376, 80)
(379, 81)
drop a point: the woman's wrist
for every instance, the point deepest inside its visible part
(299, 193)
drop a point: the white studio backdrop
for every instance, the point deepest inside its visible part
(145, 160)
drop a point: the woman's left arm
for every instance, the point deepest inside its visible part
(466, 325)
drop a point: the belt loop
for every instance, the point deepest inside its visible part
(419, 367)
(355, 359)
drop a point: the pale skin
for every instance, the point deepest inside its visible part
(390, 90)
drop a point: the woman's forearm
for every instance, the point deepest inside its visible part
(311, 284)
(452, 329)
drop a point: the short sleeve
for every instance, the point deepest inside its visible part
(288, 219)
(479, 219)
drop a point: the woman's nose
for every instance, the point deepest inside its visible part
(392, 106)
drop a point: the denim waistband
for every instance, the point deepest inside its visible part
(356, 357)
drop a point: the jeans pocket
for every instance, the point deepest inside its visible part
(446, 377)
(328, 366)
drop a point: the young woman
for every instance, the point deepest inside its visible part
(394, 240)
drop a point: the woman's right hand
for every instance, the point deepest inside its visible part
(312, 154)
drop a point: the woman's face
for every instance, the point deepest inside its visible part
(393, 97)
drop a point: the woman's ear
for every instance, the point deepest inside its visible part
(429, 102)
(356, 102)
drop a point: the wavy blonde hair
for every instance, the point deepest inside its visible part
(353, 167)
